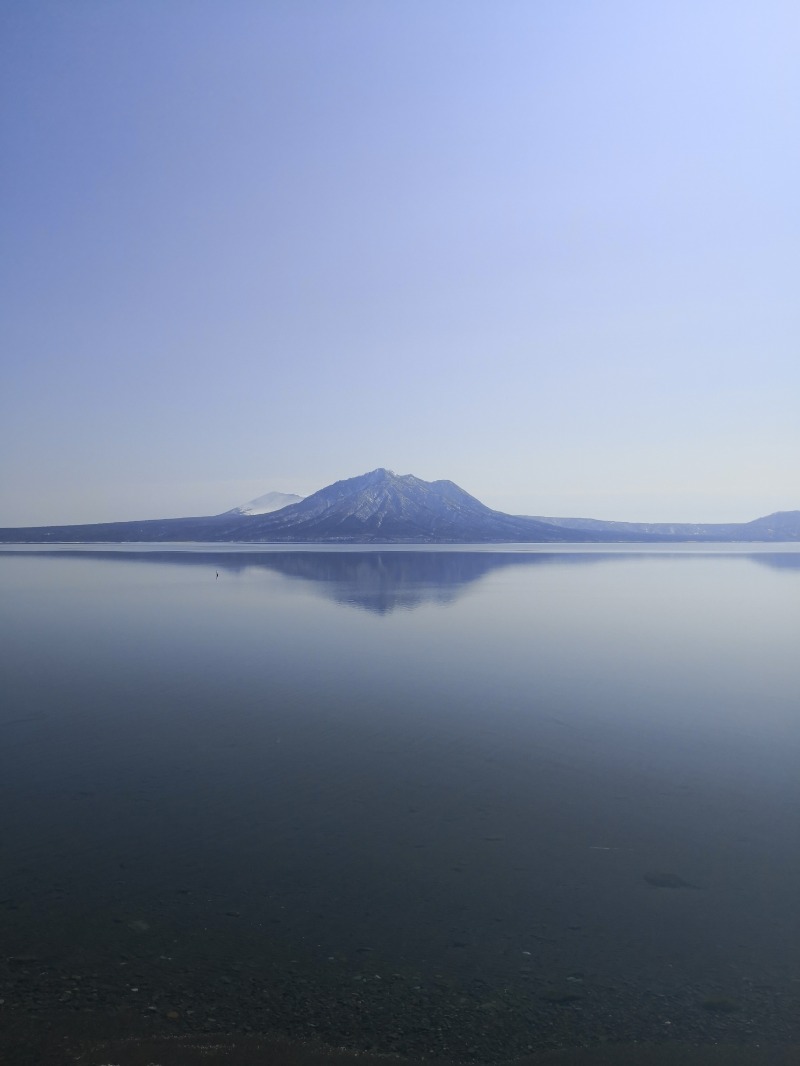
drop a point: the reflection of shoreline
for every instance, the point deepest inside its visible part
(383, 581)
(777, 560)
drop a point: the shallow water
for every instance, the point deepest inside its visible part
(557, 774)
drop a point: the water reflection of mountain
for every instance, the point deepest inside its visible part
(378, 581)
(384, 581)
(387, 581)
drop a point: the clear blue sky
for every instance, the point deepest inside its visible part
(547, 249)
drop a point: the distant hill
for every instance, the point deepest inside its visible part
(780, 526)
(383, 507)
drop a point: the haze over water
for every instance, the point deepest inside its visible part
(538, 771)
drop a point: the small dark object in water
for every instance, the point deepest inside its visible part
(662, 880)
(720, 1005)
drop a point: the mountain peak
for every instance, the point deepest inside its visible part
(380, 473)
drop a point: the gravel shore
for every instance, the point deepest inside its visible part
(375, 1010)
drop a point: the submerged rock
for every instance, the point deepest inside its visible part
(561, 995)
(720, 1005)
(664, 880)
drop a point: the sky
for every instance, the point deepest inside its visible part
(547, 250)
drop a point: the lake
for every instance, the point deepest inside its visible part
(455, 802)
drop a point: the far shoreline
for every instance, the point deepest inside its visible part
(683, 547)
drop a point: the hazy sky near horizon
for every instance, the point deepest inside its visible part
(548, 250)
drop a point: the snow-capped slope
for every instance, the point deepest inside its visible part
(266, 504)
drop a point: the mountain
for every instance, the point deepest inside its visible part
(266, 504)
(383, 507)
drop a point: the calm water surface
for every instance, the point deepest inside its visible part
(532, 769)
